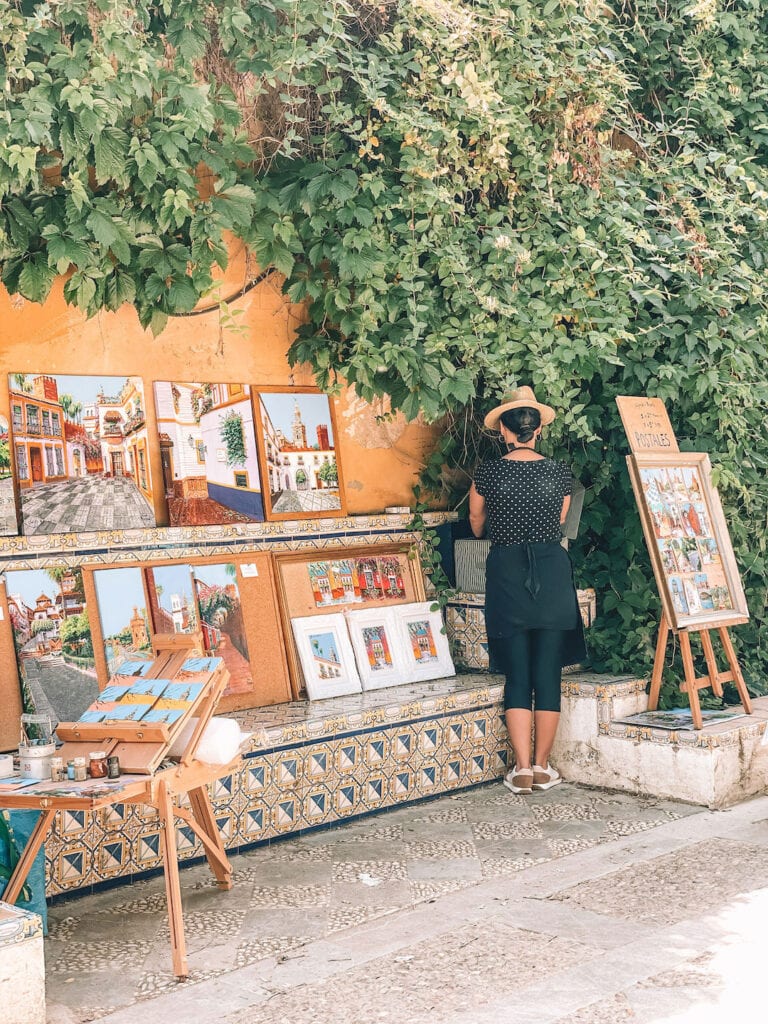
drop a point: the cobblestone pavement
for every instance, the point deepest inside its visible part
(83, 504)
(8, 525)
(107, 954)
(306, 501)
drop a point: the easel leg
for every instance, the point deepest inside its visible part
(22, 869)
(658, 663)
(709, 657)
(690, 678)
(203, 813)
(172, 884)
(733, 663)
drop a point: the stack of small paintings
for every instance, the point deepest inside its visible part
(161, 701)
(371, 648)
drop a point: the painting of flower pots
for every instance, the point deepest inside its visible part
(300, 469)
(208, 453)
(80, 453)
(52, 636)
(221, 619)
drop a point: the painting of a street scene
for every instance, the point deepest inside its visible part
(172, 599)
(689, 554)
(125, 623)
(8, 523)
(221, 619)
(299, 465)
(208, 453)
(52, 635)
(80, 453)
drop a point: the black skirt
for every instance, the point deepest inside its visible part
(530, 586)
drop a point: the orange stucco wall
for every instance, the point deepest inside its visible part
(380, 460)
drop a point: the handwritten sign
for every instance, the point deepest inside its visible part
(647, 425)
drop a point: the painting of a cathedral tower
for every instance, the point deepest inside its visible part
(299, 463)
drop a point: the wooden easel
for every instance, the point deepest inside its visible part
(144, 748)
(714, 678)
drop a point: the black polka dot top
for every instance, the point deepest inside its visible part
(523, 499)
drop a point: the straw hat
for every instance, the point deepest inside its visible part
(520, 398)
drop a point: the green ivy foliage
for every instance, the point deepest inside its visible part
(467, 196)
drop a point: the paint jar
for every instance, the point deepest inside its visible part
(81, 769)
(113, 767)
(71, 771)
(97, 766)
(58, 771)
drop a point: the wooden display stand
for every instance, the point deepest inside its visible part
(144, 748)
(714, 678)
(668, 483)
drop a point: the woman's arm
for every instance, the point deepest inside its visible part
(476, 512)
(564, 509)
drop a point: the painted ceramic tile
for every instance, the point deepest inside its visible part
(208, 453)
(52, 636)
(81, 453)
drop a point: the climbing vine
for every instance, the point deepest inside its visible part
(465, 195)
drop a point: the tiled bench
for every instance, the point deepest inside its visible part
(22, 967)
(312, 764)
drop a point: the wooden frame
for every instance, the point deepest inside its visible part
(687, 538)
(324, 646)
(295, 595)
(376, 641)
(424, 643)
(198, 463)
(285, 465)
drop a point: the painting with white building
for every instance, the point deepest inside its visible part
(299, 463)
(208, 453)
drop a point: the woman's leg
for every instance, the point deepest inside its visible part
(546, 675)
(514, 654)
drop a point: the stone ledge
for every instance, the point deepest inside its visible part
(22, 966)
(718, 766)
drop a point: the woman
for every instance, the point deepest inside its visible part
(531, 609)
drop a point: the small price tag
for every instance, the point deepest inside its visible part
(248, 569)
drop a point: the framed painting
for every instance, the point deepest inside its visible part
(423, 642)
(52, 635)
(688, 541)
(125, 620)
(377, 646)
(299, 464)
(8, 520)
(326, 656)
(341, 579)
(81, 453)
(208, 453)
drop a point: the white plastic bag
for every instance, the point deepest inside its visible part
(219, 744)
